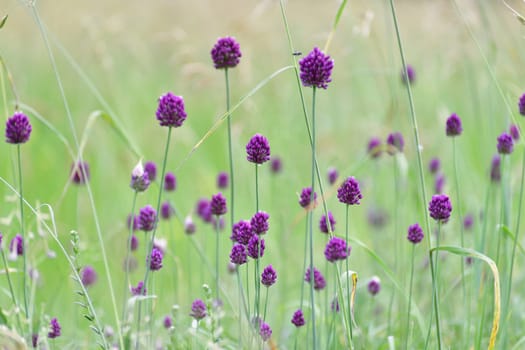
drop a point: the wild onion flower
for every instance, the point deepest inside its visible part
(495, 169)
(505, 144)
(323, 225)
(439, 183)
(166, 210)
(168, 322)
(139, 178)
(139, 289)
(374, 147)
(468, 221)
(454, 127)
(80, 173)
(34, 340)
(514, 131)
(55, 329)
(170, 182)
(170, 111)
(16, 246)
(155, 259)
(198, 309)
(258, 149)
(147, 218)
(265, 332)
(440, 207)
(222, 180)
(134, 244)
(336, 249)
(218, 204)
(226, 53)
(89, 276)
(319, 281)
(333, 174)
(374, 285)
(410, 73)
(203, 210)
(189, 225)
(151, 169)
(256, 247)
(349, 192)
(242, 232)
(415, 233)
(298, 318)
(395, 142)
(306, 197)
(276, 165)
(434, 165)
(521, 104)
(316, 69)
(238, 254)
(268, 276)
(259, 223)
(18, 129)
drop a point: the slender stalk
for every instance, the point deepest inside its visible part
(11, 290)
(347, 223)
(305, 255)
(128, 251)
(407, 329)
(217, 224)
(311, 224)
(419, 157)
(230, 152)
(265, 304)
(257, 266)
(22, 232)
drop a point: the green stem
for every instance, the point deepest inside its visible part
(11, 290)
(230, 152)
(217, 224)
(341, 300)
(265, 304)
(257, 266)
(22, 231)
(407, 330)
(126, 279)
(311, 224)
(347, 223)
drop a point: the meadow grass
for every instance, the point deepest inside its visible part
(109, 66)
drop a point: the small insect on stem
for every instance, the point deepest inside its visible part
(297, 53)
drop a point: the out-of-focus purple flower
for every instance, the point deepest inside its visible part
(334, 306)
(514, 131)
(377, 217)
(336, 249)
(16, 246)
(495, 169)
(134, 244)
(136, 223)
(439, 183)
(54, 329)
(166, 210)
(203, 210)
(89, 276)
(333, 174)
(374, 285)
(265, 331)
(349, 192)
(151, 169)
(410, 73)
(139, 178)
(268, 276)
(440, 207)
(395, 142)
(374, 147)
(170, 111)
(454, 127)
(80, 173)
(259, 223)
(242, 232)
(256, 247)
(238, 254)
(323, 224)
(223, 180)
(505, 144)
(415, 233)
(18, 129)
(521, 104)
(306, 197)
(226, 53)
(34, 340)
(316, 69)
(189, 225)
(276, 165)
(155, 259)
(298, 318)
(147, 218)
(139, 289)
(218, 204)
(168, 322)
(434, 165)
(468, 221)
(319, 281)
(258, 149)
(198, 309)
(170, 182)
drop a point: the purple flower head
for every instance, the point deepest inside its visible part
(521, 104)
(256, 247)
(17, 129)
(505, 144)
(238, 254)
(54, 329)
(139, 178)
(168, 322)
(222, 180)
(514, 131)
(139, 289)
(374, 147)
(89, 276)
(259, 223)
(276, 165)
(332, 175)
(316, 69)
(189, 225)
(434, 165)
(198, 309)
(298, 318)
(323, 224)
(147, 218)
(439, 183)
(468, 221)
(306, 197)
(495, 169)
(440, 207)
(336, 249)
(410, 73)
(319, 281)
(203, 210)
(242, 232)
(258, 149)
(166, 210)
(34, 340)
(134, 244)
(377, 217)
(454, 127)
(170, 111)
(151, 169)
(415, 233)
(16, 246)
(265, 331)
(268, 276)
(170, 182)
(155, 259)
(395, 143)
(218, 204)
(226, 53)
(1, 238)
(349, 192)
(80, 173)
(334, 306)
(136, 223)
(374, 285)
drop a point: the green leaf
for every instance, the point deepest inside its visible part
(3, 318)
(2, 22)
